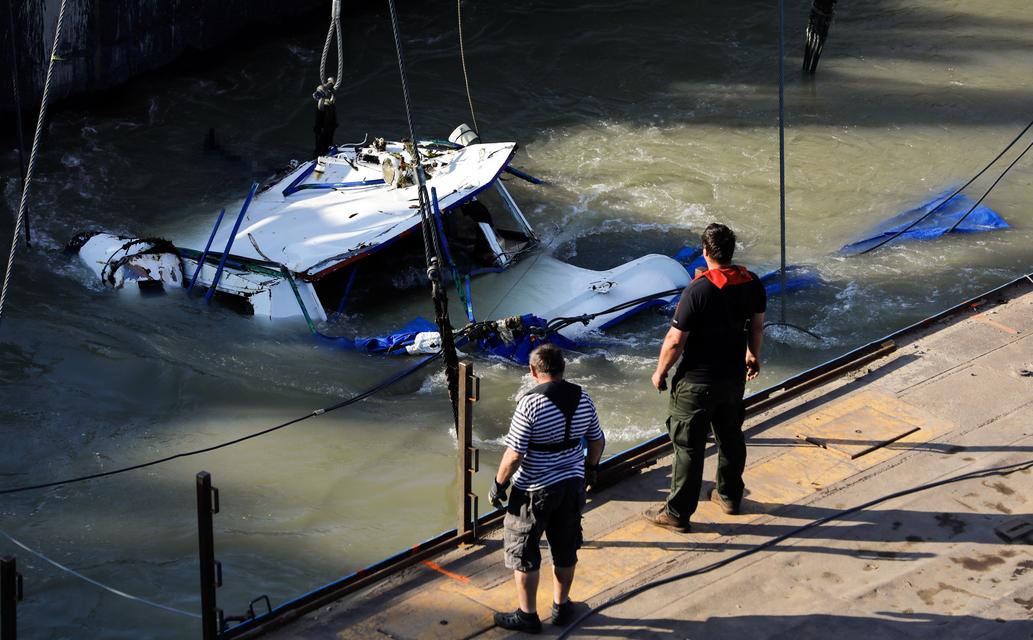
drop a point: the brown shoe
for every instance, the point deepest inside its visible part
(658, 515)
(731, 508)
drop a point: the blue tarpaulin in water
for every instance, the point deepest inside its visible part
(982, 218)
(797, 277)
(392, 344)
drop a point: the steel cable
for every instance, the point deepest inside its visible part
(462, 59)
(431, 245)
(335, 28)
(27, 185)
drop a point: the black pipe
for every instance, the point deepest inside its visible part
(206, 554)
(17, 111)
(10, 594)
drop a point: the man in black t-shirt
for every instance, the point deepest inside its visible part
(717, 332)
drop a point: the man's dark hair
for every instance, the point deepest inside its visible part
(719, 241)
(548, 360)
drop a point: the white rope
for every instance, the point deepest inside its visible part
(75, 573)
(335, 28)
(462, 58)
(26, 187)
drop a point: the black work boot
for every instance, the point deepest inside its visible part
(729, 507)
(562, 614)
(519, 620)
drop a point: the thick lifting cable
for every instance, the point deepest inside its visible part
(836, 515)
(383, 384)
(96, 583)
(957, 191)
(462, 59)
(431, 245)
(335, 29)
(27, 185)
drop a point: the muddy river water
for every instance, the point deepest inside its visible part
(649, 119)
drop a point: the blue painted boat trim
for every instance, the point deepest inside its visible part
(204, 254)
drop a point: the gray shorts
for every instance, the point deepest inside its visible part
(554, 511)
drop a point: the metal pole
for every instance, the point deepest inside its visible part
(468, 456)
(17, 110)
(782, 157)
(207, 505)
(10, 594)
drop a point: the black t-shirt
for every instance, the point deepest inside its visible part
(718, 324)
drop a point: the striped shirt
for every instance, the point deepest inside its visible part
(538, 420)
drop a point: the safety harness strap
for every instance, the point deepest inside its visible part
(566, 397)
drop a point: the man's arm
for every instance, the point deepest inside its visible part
(595, 451)
(508, 466)
(670, 351)
(753, 346)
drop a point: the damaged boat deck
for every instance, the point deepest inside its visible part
(953, 561)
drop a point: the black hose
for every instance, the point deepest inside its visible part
(956, 192)
(836, 515)
(386, 382)
(991, 188)
(793, 326)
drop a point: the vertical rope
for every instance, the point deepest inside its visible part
(462, 58)
(335, 29)
(782, 158)
(27, 186)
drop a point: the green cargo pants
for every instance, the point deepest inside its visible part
(696, 410)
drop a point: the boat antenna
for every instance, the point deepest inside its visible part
(431, 244)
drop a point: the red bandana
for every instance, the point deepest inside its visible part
(726, 275)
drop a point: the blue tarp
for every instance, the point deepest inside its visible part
(797, 277)
(392, 344)
(982, 218)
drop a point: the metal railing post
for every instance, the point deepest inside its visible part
(211, 572)
(10, 594)
(468, 456)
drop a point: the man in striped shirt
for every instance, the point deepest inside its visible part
(545, 459)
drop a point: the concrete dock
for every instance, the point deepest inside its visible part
(953, 561)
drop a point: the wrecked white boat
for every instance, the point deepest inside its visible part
(300, 239)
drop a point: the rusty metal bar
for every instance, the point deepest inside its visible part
(467, 458)
(207, 506)
(10, 594)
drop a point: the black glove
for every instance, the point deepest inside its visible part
(591, 474)
(497, 494)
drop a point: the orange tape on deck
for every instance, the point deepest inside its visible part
(445, 572)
